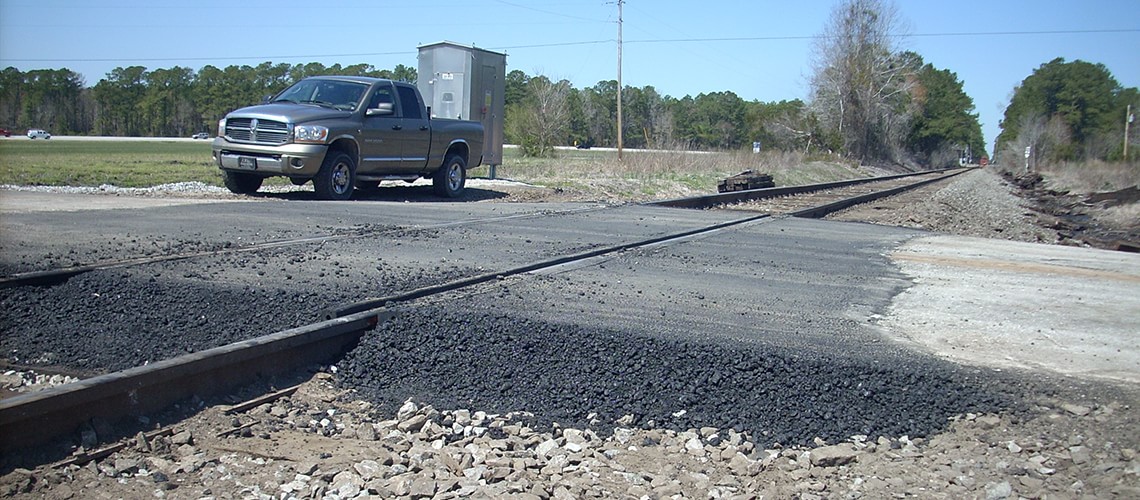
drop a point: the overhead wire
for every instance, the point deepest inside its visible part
(700, 55)
(583, 42)
(904, 35)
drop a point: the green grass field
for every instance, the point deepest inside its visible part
(59, 162)
(640, 175)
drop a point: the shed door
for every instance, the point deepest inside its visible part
(489, 115)
(449, 96)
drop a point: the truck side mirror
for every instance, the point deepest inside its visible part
(384, 108)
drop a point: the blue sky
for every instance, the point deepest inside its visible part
(758, 49)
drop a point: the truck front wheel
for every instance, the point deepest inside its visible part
(242, 183)
(450, 179)
(336, 177)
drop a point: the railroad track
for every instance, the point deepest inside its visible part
(850, 191)
(34, 418)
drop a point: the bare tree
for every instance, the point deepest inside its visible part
(661, 120)
(1041, 135)
(541, 119)
(783, 130)
(861, 81)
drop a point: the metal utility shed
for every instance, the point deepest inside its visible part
(466, 83)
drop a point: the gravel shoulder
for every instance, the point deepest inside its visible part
(977, 203)
(1076, 440)
(1019, 305)
(986, 293)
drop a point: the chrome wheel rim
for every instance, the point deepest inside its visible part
(455, 177)
(340, 177)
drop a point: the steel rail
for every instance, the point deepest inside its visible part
(713, 200)
(823, 210)
(36, 417)
(812, 212)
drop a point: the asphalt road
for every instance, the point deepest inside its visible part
(785, 318)
(1080, 295)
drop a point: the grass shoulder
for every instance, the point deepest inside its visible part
(638, 175)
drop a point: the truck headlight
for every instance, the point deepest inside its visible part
(310, 133)
(222, 127)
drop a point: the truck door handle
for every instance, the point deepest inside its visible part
(397, 127)
(423, 127)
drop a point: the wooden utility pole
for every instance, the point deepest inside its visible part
(619, 143)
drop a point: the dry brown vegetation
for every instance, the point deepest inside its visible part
(1098, 196)
(1088, 177)
(1098, 177)
(656, 174)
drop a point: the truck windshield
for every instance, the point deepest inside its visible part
(326, 93)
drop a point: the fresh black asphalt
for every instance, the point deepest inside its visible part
(766, 328)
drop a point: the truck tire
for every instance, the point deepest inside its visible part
(242, 183)
(336, 178)
(451, 178)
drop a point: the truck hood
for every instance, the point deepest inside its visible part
(289, 112)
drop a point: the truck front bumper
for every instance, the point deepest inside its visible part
(292, 160)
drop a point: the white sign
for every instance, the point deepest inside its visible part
(446, 76)
(1027, 151)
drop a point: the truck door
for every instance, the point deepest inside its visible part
(416, 130)
(381, 142)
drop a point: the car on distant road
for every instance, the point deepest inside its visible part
(5, 132)
(37, 133)
(201, 135)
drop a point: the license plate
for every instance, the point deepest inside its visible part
(247, 163)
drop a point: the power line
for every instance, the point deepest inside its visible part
(559, 44)
(586, 42)
(559, 14)
(1054, 32)
(813, 37)
(241, 58)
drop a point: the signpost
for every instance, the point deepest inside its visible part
(1127, 121)
(1027, 149)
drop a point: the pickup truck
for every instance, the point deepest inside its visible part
(345, 132)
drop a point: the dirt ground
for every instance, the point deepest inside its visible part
(317, 442)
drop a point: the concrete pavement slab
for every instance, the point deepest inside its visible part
(1004, 304)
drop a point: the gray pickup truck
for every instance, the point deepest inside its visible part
(345, 132)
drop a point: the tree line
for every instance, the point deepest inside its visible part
(177, 102)
(138, 102)
(881, 104)
(921, 114)
(1067, 111)
(871, 101)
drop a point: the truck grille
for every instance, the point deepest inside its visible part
(257, 131)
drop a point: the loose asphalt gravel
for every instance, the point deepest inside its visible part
(112, 320)
(584, 377)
